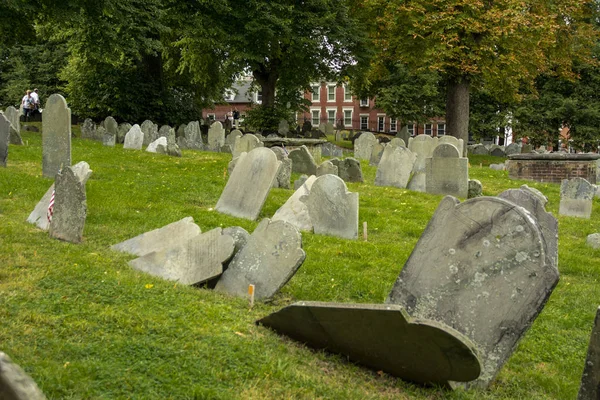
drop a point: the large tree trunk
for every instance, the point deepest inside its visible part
(457, 109)
(267, 79)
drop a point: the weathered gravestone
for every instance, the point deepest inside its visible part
(422, 146)
(303, 161)
(180, 131)
(478, 149)
(458, 143)
(88, 129)
(329, 128)
(382, 337)
(14, 117)
(56, 136)
(576, 196)
(239, 235)
(446, 172)
(590, 380)
(216, 136)
(377, 153)
(15, 384)
(70, 205)
(331, 150)
(271, 256)
(332, 208)
(498, 152)
(513, 148)
(161, 141)
(593, 240)
(193, 136)
(327, 167)
(111, 126)
(246, 143)
(300, 181)
(397, 142)
(349, 169)
(122, 131)
(233, 136)
(164, 131)
(4, 139)
(135, 138)
(150, 132)
(480, 267)
(475, 189)
(158, 239)
(171, 148)
(284, 128)
(108, 139)
(363, 146)
(403, 134)
(395, 167)
(295, 211)
(249, 184)
(191, 262)
(284, 173)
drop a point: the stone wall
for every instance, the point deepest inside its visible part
(553, 168)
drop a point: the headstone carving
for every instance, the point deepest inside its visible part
(295, 211)
(271, 256)
(303, 161)
(332, 208)
(447, 172)
(4, 139)
(363, 146)
(576, 196)
(150, 132)
(249, 184)
(422, 146)
(135, 138)
(56, 136)
(245, 143)
(216, 136)
(349, 169)
(395, 167)
(480, 267)
(15, 384)
(590, 380)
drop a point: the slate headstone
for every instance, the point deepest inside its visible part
(111, 126)
(300, 181)
(576, 198)
(513, 148)
(590, 380)
(403, 134)
(303, 161)
(295, 211)
(4, 139)
(458, 143)
(284, 174)
(150, 132)
(109, 139)
(479, 149)
(475, 189)
(239, 235)
(56, 136)
(233, 136)
(14, 117)
(327, 167)
(397, 142)
(349, 169)
(122, 131)
(498, 152)
(135, 138)
(363, 146)
(376, 154)
(395, 167)
(15, 384)
(193, 135)
(447, 172)
(152, 147)
(88, 129)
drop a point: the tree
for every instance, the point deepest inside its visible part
(503, 44)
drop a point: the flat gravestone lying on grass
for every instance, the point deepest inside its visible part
(56, 136)
(161, 238)
(194, 261)
(4, 139)
(576, 198)
(15, 384)
(249, 184)
(271, 256)
(382, 337)
(590, 380)
(294, 210)
(480, 267)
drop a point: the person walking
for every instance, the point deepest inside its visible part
(28, 104)
(35, 95)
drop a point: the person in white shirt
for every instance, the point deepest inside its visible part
(28, 105)
(36, 99)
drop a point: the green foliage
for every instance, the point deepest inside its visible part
(488, 116)
(268, 118)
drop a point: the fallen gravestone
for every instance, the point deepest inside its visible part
(332, 208)
(192, 262)
(150, 132)
(576, 197)
(159, 239)
(327, 167)
(135, 138)
(395, 167)
(480, 267)
(295, 211)
(447, 172)
(4, 139)
(303, 161)
(56, 136)
(70, 205)
(349, 169)
(422, 146)
(382, 337)
(363, 146)
(249, 184)
(216, 136)
(590, 380)
(271, 256)
(15, 384)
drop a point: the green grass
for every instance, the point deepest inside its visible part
(85, 325)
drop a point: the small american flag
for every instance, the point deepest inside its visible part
(51, 207)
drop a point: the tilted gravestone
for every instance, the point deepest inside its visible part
(216, 136)
(193, 136)
(303, 161)
(349, 169)
(161, 238)
(150, 132)
(88, 129)
(363, 146)
(122, 131)
(327, 167)
(590, 380)
(239, 235)
(382, 337)
(295, 211)
(14, 117)
(446, 172)
(332, 208)
(395, 167)
(249, 184)
(422, 146)
(111, 126)
(56, 136)
(576, 197)
(271, 256)
(480, 267)
(191, 262)
(246, 143)
(377, 153)
(4, 139)
(300, 181)
(70, 206)
(161, 141)
(15, 384)
(284, 174)
(134, 139)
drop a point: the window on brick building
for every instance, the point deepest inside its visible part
(441, 129)
(316, 117)
(347, 94)
(428, 129)
(331, 93)
(411, 129)
(364, 122)
(331, 116)
(393, 125)
(347, 118)
(316, 93)
(380, 123)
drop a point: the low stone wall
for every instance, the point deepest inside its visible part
(553, 167)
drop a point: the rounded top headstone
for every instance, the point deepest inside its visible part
(446, 150)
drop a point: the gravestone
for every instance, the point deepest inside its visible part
(122, 131)
(480, 268)
(397, 142)
(216, 136)
(159, 239)
(193, 136)
(404, 134)
(513, 148)
(363, 146)
(498, 167)
(284, 128)
(382, 337)
(447, 172)
(135, 138)
(111, 126)
(271, 256)
(56, 136)
(376, 154)
(498, 152)
(576, 197)
(395, 167)
(109, 140)
(70, 205)
(327, 167)
(593, 240)
(331, 150)
(349, 169)
(4, 139)
(15, 384)
(161, 141)
(422, 146)
(458, 143)
(280, 152)
(100, 133)
(233, 136)
(164, 131)
(479, 149)
(192, 262)
(300, 181)
(150, 132)
(245, 143)
(332, 208)
(284, 174)
(88, 129)
(590, 380)
(475, 189)
(322, 128)
(239, 235)
(294, 211)
(303, 161)
(249, 184)
(14, 117)
(180, 132)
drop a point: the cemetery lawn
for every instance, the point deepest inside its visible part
(85, 325)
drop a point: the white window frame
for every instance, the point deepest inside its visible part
(334, 115)
(393, 124)
(329, 87)
(443, 130)
(315, 95)
(430, 129)
(347, 94)
(361, 122)
(364, 102)
(411, 129)
(381, 119)
(258, 98)
(312, 116)
(345, 110)
(211, 116)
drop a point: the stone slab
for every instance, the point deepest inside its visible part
(349, 169)
(4, 139)
(590, 380)
(56, 136)
(446, 172)
(70, 207)
(302, 161)
(294, 210)
(15, 384)
(363, 146)
(381, 337)
(395, 167)
(135, 138)
(576, 198)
